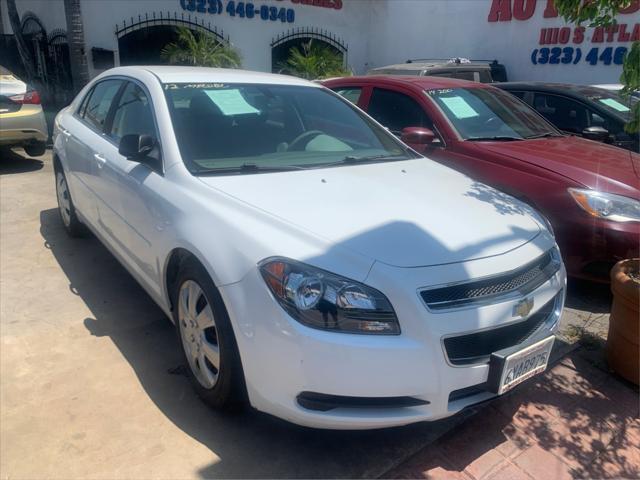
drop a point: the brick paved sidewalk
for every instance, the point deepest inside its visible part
(576, 421)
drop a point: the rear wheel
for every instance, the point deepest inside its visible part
(67, 211)
(207, 340)
(35, 149)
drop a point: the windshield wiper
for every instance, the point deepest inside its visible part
(497, 138)
(543, 135)
(352, 160)
(250, 168)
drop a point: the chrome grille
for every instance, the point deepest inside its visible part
(520, 282)
(478, 346)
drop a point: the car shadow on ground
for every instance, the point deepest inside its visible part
(123, 312)
(576, 413)
(17, 162)
(249, 443)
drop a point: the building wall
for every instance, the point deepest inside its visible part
(461, 28)
(377, 32)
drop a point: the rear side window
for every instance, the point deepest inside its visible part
(99, 103)
(396, 111)
(350, 93)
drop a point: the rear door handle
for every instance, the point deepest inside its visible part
(100, 160)
(66, 133)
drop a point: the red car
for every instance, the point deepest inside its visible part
(589, 191)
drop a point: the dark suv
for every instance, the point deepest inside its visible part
(473, 70)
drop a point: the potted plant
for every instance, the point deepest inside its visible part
(622, 342)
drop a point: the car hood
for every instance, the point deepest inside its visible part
(587, 162)
(407, 214)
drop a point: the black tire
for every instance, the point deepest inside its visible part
(229, 391)
(35, 149)
(74, 227)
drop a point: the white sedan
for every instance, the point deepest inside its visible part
(314, 266)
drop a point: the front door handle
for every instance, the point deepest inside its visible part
(66, 133)
(100, 160)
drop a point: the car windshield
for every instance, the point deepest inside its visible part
(490, 114)
(248, 128)
(613, 103)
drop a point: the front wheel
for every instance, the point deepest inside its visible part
(67, 211)
(207, 340)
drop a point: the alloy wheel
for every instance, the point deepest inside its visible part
(64, 199)
(198, 333)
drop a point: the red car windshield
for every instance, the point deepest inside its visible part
(490, 114)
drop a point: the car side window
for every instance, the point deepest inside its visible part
(350, 93)
(99, 103)
(133, 114)
(565, 113)
(396, 111)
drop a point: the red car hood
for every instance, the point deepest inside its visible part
(592, 164)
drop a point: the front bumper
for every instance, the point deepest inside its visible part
(591, 246)
(283, 359)
(23, 126)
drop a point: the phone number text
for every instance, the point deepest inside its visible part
(572, 56)
(240, 9)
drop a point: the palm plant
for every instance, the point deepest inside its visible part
(314, 61)
(201, 49)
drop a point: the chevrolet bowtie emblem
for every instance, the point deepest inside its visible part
(523, 307)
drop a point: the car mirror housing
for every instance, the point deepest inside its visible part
(599, 134)
(136, 147)
(418, 138)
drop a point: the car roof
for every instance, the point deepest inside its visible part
(565, 88)
(425, 82)
(179, 74)
(426, 64)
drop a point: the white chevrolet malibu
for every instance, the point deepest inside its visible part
(314, 266)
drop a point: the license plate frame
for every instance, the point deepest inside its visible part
(512, 363)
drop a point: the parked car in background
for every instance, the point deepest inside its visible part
(590, 112)
(309, 259)
(22, 122)
(461, 68)
(589, 191)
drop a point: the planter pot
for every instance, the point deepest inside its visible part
(623, 355)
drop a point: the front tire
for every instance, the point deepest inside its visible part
(67, 210)
(207, 339)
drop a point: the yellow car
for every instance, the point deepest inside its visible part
(22, 122)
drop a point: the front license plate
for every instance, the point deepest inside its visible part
(524, 364)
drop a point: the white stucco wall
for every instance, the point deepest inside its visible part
(377, 32)
(459, 28)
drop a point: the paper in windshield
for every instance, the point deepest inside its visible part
(230, 101)
(610, 102)
(459, 107)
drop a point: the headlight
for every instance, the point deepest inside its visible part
(607, 205)
(322, 300)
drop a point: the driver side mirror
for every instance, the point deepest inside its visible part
(136, 147)
(599, 134)
(418, 138)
